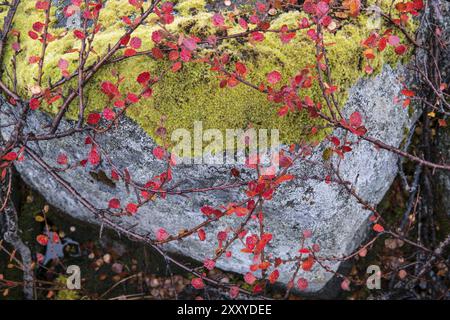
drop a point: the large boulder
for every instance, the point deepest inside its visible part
(337, 220)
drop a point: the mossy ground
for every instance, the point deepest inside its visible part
(193, 93)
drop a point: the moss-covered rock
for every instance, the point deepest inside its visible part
(193, 93)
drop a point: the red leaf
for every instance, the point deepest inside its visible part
(335, 141)
(42, 5)
(125, 39)
(33, 59)
(40, 257)
(240, 211)
(283, 111)
(38, 26)
(131, 97)
(147, 93)
(284, 178)
(302, 284)
(33, 35)
(93, 118)
(257, 289)
(143, 78)
(159, 152)
(209, 264)
(62, 159)
(176, 66)
(353, 6)
(273, 77)
(322, 8)
(207, 210)
(190, 44)
(257, 36)
(408, 93)
(401, 49)
(234, 292)
(42, 239)
(161, 234)
(109, 89)
(241, 69)
(15, 46)
(308, 263)
(355, 119)
(378, 227)
(197, 283)
(382, 44)
(79, 34)
(185, 55)
(63, 64)
(136, 42)
(131, 208)
(157, 36)
(114, 203)
(249, 278)
(201, 234)
(119, 103)
(368, 53)
(174, 54)
(393, 40)
(136, 3)
(10, 156)
(273, 277)
(243, 23)
(114, 175)
(126, 20)
(94, 157)
(218, 20)
(34, 103)
(307, 233)
(406, 102)
(129, 52)
(345, 285)
(55, 237)
(108, 114)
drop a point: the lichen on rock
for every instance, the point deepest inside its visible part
(193, 93)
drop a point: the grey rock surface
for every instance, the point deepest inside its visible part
(337, 221)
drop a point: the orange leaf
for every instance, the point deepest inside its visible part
(368, 53)
(284, 178)
(408, 93)
(353, 7)
(378, 228)
(42, 239)
(273, 277)
(308, 263)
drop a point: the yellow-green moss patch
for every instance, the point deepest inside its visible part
(193, 93)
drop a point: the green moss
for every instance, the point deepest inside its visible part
(66, 294)
(190, 7)
(193, 93)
